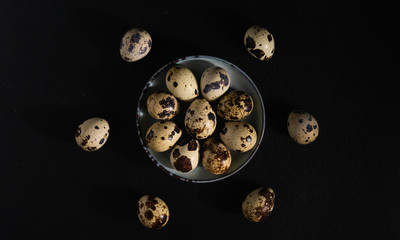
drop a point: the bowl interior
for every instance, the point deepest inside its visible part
(239, 81)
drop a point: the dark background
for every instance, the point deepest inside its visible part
(60, 64)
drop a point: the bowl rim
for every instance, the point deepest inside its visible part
(155, 161)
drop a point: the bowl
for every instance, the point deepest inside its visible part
(239, 81)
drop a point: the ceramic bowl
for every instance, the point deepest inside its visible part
(239, 81)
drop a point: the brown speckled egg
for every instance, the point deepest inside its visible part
(153, 212)
(235, 106)
(200, 119)
(162, 105)
(162, 136)
(135, 44)
(238, 136)
(258, 204)
(216, 157)
(214, 82)
(184, 156)
(182, 83)
(92, 134)
(259, 42)
(302, 127)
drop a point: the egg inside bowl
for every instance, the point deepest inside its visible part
(239, 80)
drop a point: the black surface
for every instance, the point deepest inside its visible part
(60, 64)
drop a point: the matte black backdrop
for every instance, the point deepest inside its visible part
(60, 64)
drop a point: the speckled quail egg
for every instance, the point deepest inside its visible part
(162, 136)
(162, 105)
(184, 156)
(235, 106)
(182, 83)
(238, 136)
(153, 212)
(214, 82)
(200, 119)
(302, 127)
(258, 204)
(216, 157)
(259, 42)
(92, 134)
(135, 44)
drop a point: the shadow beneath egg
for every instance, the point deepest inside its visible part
(277, 113)
(116, 201)
(198, 66)
(167, 48)
(53, 121)
(99, 29)
(227, 195)
(229, 24)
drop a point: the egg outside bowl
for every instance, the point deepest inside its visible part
(239, 81)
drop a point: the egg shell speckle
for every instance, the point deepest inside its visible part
(162, 136)
(200, 119)
(92, 134)
(184, 156)
(214, 82)
(182, 83)
(258, 204)
(303, 128)
(162, 105)
(152, 212)
(135, 44)
(238, 136)
(235, 106)
(259, 42)
(216, 157)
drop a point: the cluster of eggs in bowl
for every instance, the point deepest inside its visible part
(200, 118)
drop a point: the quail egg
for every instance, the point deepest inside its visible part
(182, 83)
(92, 134)
(216, 157)
(235, 106)
(184, 156)
(135, 44)
(214, 82)
(258, 204)
(259, 42)
(200, 119)
(302, 127)
(162, 105)
(162, 136)
(238, 136)
(153, 212)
